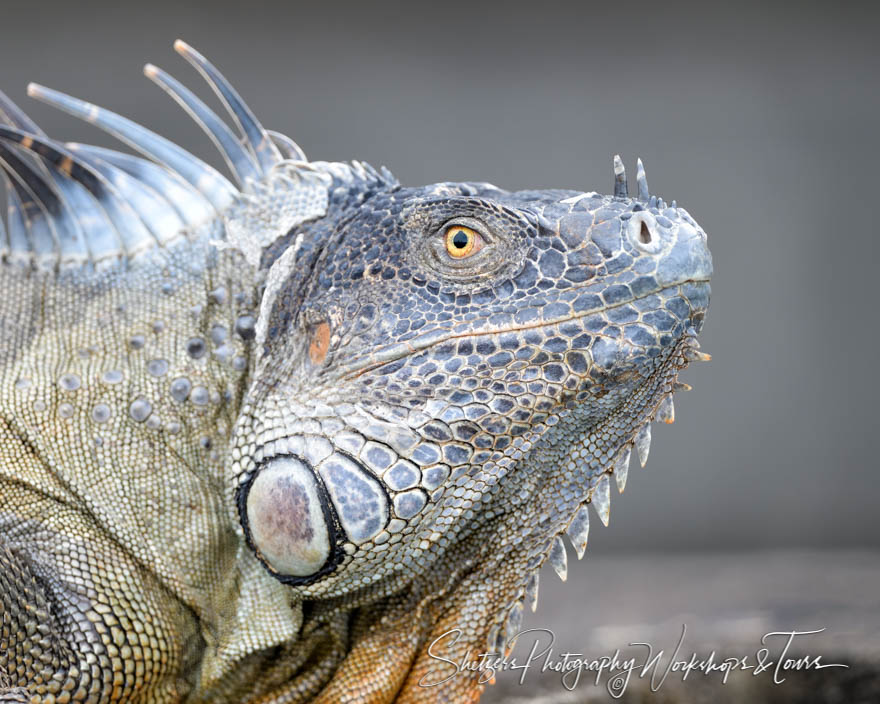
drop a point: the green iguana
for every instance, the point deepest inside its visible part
(268, 441)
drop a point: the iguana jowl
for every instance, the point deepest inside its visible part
(269, 441)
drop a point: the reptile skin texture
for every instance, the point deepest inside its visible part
(283, 437)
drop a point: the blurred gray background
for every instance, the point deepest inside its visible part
(762, 120)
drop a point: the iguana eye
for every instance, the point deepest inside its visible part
(462, 241)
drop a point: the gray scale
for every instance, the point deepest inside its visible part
(377, 457)
(357, 497)
(409, 503)
(403, 475)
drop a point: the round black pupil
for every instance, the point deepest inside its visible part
(460, 240)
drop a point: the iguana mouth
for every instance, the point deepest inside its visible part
(395, 352)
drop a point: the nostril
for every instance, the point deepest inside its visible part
(643, 232)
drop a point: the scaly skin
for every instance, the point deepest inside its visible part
(303, 451)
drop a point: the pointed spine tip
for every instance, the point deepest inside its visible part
(641, 178)
(694, 355)
(666, 410)
(620, 190)
(187, 51)
(558, 558)
(151, 71)
(601, 499)
(621, 469)
(643, 443)
(34, 90)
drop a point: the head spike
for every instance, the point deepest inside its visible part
(100, 236)
(620, 190)
(239, 159)
(155, 211)
(579, 530)
(532, 592)
(61, 219)
(289, 149)
(4, 240)
(21, 171)
(601, 499)
(642, 180)
(132, 230)
(19, 243)
(31, 217)
(258, 139)
(67, 203)
(558, 559)
(207, 180)
(621, 469)
(15, 116)
(189, 203)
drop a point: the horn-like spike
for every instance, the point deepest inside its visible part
(643, 443)
(74, 247)
(693, 355)
(387, 175)
(36, 187)
(156, 213)
(621, 469)
(620, 189)
(642, 180)
(134, 234)
(601, 499)
(681, 386)
(532, 592)
(666, 410)
(289, 149)
(37, 200)
(34, 218)
(4, 239)
(19, 242)
(239, 160)
(492, 638)
(579, 530)
(60, 226)
(16, 117)
(189, 203)
(557, 558)
(206, 179)
(260, 141)
(514, 623)
(101, 237)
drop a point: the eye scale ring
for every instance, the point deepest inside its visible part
(462, 241)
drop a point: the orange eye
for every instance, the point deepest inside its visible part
(462, 241)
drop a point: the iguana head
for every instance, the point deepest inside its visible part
(435, 359)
